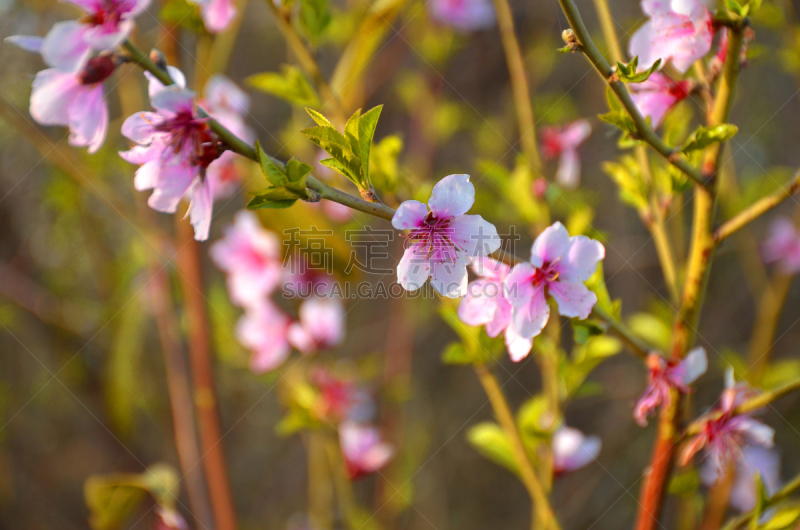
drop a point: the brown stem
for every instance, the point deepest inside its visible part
(717, 502)
(180, 393)
(699, 265)
(205, 397)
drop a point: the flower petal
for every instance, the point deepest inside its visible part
(530, 319)
(452, 196)
(52, 95)
(64, 46)
(693, 366)
(581, 259)
(88, 118)
(518, 346)
(518, 287)
(409, 215)
(413, 269)
(449, 278)
(573, 450)
(28, 43)
(475, 235)
(552, 244)
(200, 209)
(574, 299)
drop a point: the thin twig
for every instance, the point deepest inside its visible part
(646, 132)
(636, 345)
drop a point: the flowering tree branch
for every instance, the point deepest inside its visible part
(237, 145)
(755, 210)
(634, 343)
(699, 264)
(646, 132)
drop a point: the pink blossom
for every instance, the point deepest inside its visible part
(169, 519)
(754, 460)
(486, 305)
(217, 14)
(340, 399)
(442, 240)
(321, 325)
(363, 449)
(562, 143)
(573, 450)
(664, 375)
(69, 44)
(228, 104)
(250, 255)
(559, 266)
(263, 329)
(75, 100)
(464, 15)
(680, 31)
(782, 246)
(175, 147)
(725, 434)
(72, 99)
(656, 96)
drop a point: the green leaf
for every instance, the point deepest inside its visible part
(319, 118)
(783, 519)
(290, 85)
(705, 136)
(620, 119)
(491, 442)
(264, 201)
(629, 74)
(275, 174)
(627, 175)
(297, 172)
(652, 329)
(340, 168)
(455, 353)
(738, 8)
(110, 501)
(366, 132)
(534, 419)
(315, 16)
(684, 484)
(597, 284)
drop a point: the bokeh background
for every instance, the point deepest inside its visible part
(82, 385)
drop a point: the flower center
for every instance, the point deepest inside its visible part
(193, 137)
(435, 236)
(546, 273)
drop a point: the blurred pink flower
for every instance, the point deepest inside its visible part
(363, 449)
(69, 44)
(321, 325)
(340, 399)
(562, 143)
(464, 15)
(442, 241)
(175, 147)
(217, 14)
(169, 519)
(263, 329)
(228, 104)
(656, 96)
(664, 375)
(724, 434)
(559, 266)
(486, 305)
(679, 31)
(573, 450)
(753, 459)
(251, 258)
(75, 100)
(782, 246)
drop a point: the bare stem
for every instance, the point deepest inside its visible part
(506, 419)
(636, 345)
(755, 210)
(769, 310)
(646, 132)
(519, 83)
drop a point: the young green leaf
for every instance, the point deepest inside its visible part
(290, 85)
(629, 73)
(366, 132)
(275, 174)
(491, 441)
(315, 16)
(705, 136)
(620, 119)
(319, 118)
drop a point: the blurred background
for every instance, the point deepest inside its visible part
(82, 381)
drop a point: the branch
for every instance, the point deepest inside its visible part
(634, 343)
(755, 210)
(519, 83)
(646, 132)
(241, 147)
(507, 422)
(780, 495)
